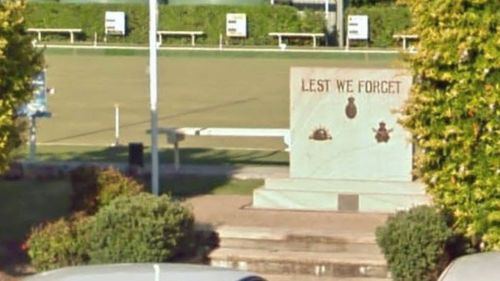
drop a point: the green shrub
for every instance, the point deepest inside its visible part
(453, 111)
(93, 187)
(210, 18)
(111, 183)
(384, 22)
(141, 228)
(84, 188)
(57, 244)
(414, 244)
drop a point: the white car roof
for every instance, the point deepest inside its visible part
(476, 267)
(145, 272)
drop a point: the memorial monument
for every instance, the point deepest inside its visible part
(348, 152)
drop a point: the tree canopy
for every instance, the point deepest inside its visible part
(19, 61)
(453, 111)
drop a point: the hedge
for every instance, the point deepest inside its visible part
(209, 19)
(453, 111)
(384, 22)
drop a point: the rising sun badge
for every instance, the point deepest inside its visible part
(320, 134)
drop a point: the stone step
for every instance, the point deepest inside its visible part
(342, 265)
(295, 240)
(275, 277)
(339, 195)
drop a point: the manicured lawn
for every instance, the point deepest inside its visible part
(196, 89)
(188, 186)
(188, 155)
(24, 204)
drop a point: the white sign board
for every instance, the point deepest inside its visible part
(236, 25)
(344, 124)
(114, 23)
(357, 27)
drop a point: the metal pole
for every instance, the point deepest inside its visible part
(32, 138)
(340, 22)
(153, 95)
(327, 13)
(117, 124)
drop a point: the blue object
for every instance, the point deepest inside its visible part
(37, 107)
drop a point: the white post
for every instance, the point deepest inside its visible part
(32, 138)
(327, 9)
(117, 124)
(95, 39)
(220, 41)
(153, 94)
(340, 22)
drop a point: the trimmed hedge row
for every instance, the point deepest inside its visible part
(384, 22)
(210, 19)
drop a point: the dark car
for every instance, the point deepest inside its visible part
(145, 272)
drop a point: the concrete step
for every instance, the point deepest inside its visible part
(274, 277)
(341, 265)
(339, 195)
(295, 240)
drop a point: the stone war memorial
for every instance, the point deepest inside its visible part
(348, 152)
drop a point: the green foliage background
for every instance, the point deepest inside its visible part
(19, 61)
(209, 19)
(453, 112)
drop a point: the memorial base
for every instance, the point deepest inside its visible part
(339, 195)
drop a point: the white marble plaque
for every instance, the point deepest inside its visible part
(344, 124)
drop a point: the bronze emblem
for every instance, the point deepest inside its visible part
(382, 133)
(320, 134)
(350, 109)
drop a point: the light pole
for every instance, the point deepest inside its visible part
(153, 94)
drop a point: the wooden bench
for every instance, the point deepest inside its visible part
(175, 135)
(193, 34)
(405, 37)
(71, 32)
(280, 35)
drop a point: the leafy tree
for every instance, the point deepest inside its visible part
(19, 61)
(453, 111)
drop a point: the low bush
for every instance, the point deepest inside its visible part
(57, 244)
(83, 188)
(141, 228)
(93, 187)
(111, 183)
(414, 244)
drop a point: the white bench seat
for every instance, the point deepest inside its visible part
(193, 34)
(71, 32)
(280, 35)
(175, 135)
(405, 37)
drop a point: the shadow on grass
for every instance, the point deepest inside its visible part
(185, 186)
(195, 156)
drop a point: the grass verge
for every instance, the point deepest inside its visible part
(188, 155)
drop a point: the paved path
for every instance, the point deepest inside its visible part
(217, 211)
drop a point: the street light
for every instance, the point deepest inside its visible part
(153, 94)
